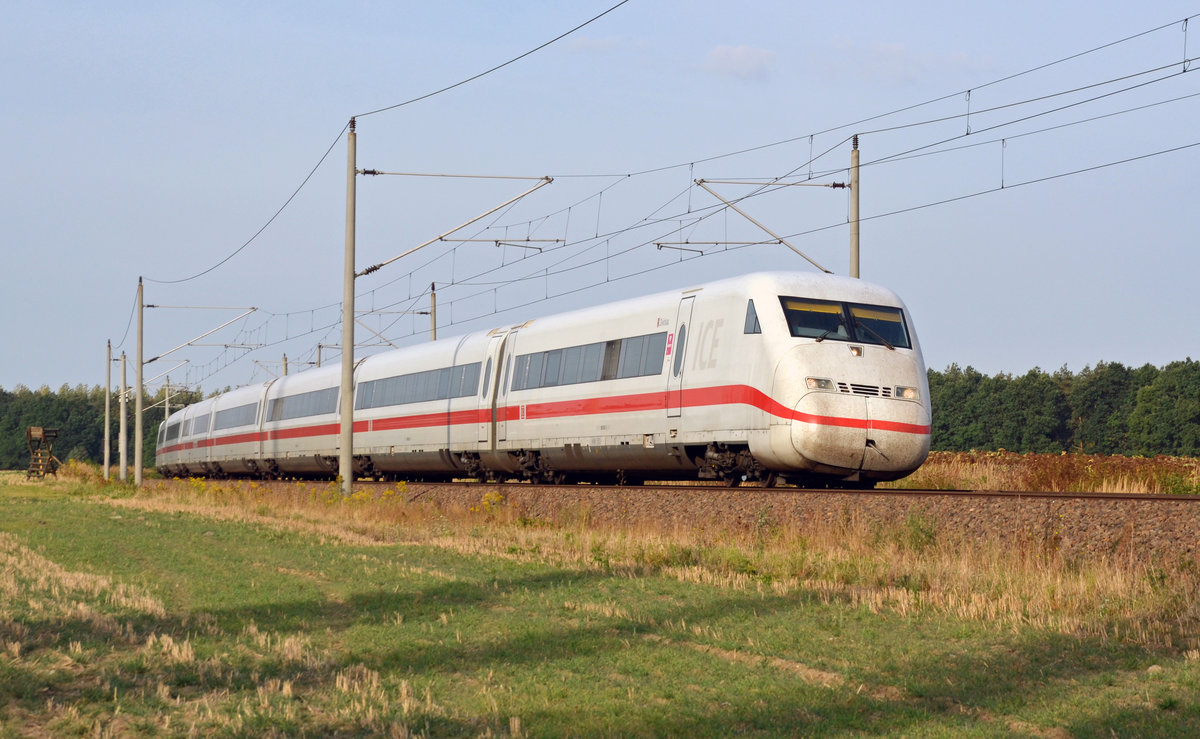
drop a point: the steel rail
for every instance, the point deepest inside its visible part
(786, 491)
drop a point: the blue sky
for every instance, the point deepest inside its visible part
(156, 140)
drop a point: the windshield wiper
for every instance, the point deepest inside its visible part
(859, 324)
(819, 339)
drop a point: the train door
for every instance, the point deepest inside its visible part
(265, 450)
(491, 385)
(500, 398)
(683, 320)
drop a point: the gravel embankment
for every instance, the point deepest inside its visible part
(1141, 531)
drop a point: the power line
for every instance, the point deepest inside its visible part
(270, 220)
(647, 221)
(338, 138)
(132, 313)
(706, 159)
(495, 68)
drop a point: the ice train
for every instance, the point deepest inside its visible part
(804, 377)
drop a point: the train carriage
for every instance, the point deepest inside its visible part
(235, 439)
(812, 377)
(183, 440)
(300, 414)
(413, 406)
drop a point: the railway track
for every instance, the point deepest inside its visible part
(422, 488)
(1143, 528)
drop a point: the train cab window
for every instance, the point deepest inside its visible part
(827, 319)
(880, 324)
(752, 326)
(815, 319)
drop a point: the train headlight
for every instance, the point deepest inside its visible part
(820, 383)
(907, 393)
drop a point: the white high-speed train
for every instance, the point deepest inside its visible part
(815, 379)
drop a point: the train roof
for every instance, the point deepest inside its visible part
(808, 284)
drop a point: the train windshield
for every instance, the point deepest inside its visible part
(827, 319)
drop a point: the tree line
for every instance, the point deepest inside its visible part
(78, 414)
(1106, 409)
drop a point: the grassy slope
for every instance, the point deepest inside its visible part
(114, 619)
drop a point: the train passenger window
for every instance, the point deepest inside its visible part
(656, 349)
(442, 386)
(551, 368)
(429, 386)
(612, 359)
(593, 362)
(301, 405)
(462, 382)
(458, 381)
(752, 326)
(507, 366)
(242, 415)
(519, 372)
(534, 374)
(487, 378)
(630, 362)
(571, 358)
(200, 425)
(634, 356)
(680, 343)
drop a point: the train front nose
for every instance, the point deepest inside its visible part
(866, 413)
(831, 429)
(881, 436)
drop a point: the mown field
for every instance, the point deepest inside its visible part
(206, 608)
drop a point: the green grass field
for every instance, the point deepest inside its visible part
(123, 616)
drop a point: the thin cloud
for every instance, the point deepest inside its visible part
(895, 63)
(742, 62)
(594, 44)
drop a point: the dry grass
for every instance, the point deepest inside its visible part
(905, 567)
(140, 670)
(1064, 473)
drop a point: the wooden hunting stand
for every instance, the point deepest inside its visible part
(42, 461)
